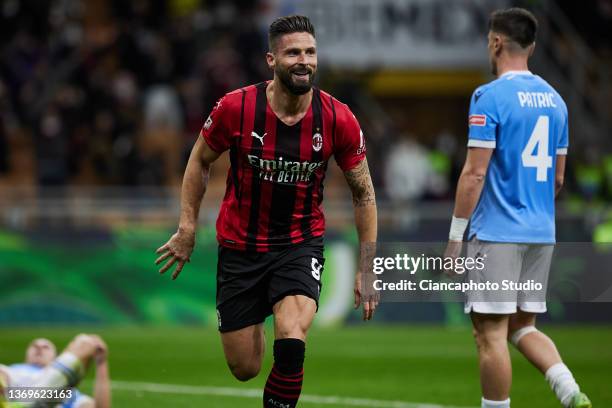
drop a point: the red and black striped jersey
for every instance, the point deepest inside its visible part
(275, 181)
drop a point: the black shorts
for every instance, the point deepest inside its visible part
(250, 283)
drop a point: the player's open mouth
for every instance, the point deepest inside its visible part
(301, 75)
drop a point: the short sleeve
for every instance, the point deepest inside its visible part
(216, 131)
(483, 120)
(563, 139)
(350, 147)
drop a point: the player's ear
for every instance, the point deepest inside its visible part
(498, 43)
(270, 59)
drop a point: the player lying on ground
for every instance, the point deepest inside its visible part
(43, 368)
(280, 135)
(518, 139)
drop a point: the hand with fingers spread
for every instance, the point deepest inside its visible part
(177, 250)
(366, 294)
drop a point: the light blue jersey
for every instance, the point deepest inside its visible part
(24, 375)
(525, 120)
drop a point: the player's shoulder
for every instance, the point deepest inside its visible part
(341, 110)
(233, 99)
(246, 89)
(489, 88)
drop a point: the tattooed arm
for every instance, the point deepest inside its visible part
(364, 201)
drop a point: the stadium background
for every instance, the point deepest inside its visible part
(101, 101)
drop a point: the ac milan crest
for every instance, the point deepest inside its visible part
(317, 142)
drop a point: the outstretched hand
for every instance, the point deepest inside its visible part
(177, 250)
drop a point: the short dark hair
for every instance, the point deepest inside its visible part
(287, 25)
(518, 24)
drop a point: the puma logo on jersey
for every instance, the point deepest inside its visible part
(208, 123)
(260, 138)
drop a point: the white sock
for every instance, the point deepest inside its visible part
(562, 383)
(65, 371)
(495, 404)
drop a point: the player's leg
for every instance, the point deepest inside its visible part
(490, 333)
(489, 311)
(242, 307)
(293, 316)
(541, 351)
(294, 293)
(537, 347)
(70, 366)
(244, 350)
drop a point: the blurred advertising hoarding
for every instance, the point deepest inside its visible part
(365, 34)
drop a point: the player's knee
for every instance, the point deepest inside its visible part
(516, 333)
(245, 372)
(488, 340)
(95, 338)
(294, 317)
(83, 346)
(292, 326)
(85, 341)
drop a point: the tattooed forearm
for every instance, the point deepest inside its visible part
(364, 201)
(360, 183)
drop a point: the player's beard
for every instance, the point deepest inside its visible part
(296, 88)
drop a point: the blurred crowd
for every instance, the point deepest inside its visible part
(115, 92)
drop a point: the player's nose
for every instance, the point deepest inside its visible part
(302, 58)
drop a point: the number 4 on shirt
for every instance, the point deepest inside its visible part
(538, 142)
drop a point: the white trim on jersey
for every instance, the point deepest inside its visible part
(490, 144)
(562, 151)
(516, 73)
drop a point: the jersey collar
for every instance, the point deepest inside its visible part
(507, 73)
